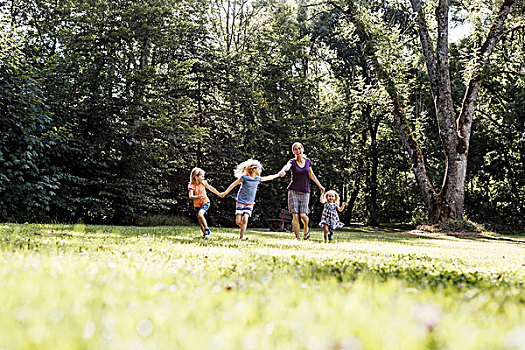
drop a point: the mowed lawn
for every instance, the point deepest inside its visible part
(114, 287)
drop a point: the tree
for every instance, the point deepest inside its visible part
(27, 179)
(115, 76)
(496, 178)
(448, 202)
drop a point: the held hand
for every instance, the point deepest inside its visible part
(322, 189)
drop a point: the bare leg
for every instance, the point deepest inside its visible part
(305, 220)
(325, 226)
(202, 220)
(295, 224)
(244, 224)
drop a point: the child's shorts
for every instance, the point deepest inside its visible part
(204, 207)
(241, 209)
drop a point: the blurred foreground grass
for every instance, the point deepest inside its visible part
(110, 287)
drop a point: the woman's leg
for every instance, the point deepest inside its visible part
(296, 225)
(305, 220)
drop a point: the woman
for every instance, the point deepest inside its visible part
(299, 188)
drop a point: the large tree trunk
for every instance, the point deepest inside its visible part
(455, 136)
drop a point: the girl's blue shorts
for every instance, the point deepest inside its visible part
(204, 207)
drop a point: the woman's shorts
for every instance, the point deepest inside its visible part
(298, 202)
(204, 207)
(241, 209)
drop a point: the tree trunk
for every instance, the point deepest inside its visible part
(351, 202)
(371, 179)
(199, 117)
(356, 175)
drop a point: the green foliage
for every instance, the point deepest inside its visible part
(111, 287)
(115, 122)
(497, 174)
(163, 220)
(27, 180)
(108, 105)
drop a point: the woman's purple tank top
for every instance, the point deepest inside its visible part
(300, 176)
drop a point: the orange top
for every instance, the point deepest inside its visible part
(197, 191)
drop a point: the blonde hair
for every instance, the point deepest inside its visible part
(334, 193)
(194, 173)
(247, 168)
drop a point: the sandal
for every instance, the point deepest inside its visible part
(307, 236)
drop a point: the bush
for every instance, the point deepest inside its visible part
(163, 220)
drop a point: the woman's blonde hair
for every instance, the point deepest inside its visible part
(334, 193)
(194, 173)
(247, 168)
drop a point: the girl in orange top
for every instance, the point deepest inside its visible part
(201, 203)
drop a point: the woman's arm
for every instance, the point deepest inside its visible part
(314, 179)
(269, 177)
(235, 183)
(211, 188)
(285, 168)
(341, 207)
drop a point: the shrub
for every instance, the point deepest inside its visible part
(163, 220)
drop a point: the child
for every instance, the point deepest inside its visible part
(248, 175)
(201, 202)
(330, 218)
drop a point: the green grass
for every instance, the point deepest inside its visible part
(105, 287)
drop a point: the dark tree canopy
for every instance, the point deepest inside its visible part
(106, 106)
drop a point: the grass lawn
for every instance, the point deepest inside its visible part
(114, 287)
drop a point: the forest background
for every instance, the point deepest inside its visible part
(107, 105)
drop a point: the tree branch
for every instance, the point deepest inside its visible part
(403, 126)
(513, 29)
(426, 45)
(471, 95)
(443, 103)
